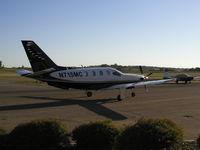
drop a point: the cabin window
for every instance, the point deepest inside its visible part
(86, 73)
(108, 72)
(101, 73)
(94, 73)
(116, 73)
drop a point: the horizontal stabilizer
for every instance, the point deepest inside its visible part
(44, 71)
(24, 72)
(166, 75)
(35, 74)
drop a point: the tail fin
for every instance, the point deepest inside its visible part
(166, 75)
(37, 58)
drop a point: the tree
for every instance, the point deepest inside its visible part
(150, 134)
(99, 135)
(3, 139)
(39, 135)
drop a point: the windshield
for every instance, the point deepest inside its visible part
(116, 73)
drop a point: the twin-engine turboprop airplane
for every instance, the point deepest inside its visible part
(101, 78)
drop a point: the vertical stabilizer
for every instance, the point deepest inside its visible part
(38, 59)
(166, 75)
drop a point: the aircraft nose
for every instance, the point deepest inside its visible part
(143, 78)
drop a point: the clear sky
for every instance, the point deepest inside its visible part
(93, 32)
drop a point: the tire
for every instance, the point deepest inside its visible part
(119, 98)
(89, 94)
(133, 94)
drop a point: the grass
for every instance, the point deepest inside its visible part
(10, 75)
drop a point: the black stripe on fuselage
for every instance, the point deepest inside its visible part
(65, 84)
(85, 86)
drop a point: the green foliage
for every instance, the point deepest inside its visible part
(198, 142)
(97, 135)
(39, 135)
(150, 134)
(189, 145)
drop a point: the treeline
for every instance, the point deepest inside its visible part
(127, 69)
(145, 134)
(149, 68)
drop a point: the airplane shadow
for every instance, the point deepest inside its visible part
(92, 105)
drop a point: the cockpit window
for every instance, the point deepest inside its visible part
(116, 73)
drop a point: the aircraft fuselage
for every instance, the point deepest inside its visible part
(89, 78)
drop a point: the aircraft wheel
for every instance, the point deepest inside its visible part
(89, 94)
(133, 94)
(119, 98)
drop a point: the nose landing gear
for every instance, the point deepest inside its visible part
(121, 96)
(133, 94)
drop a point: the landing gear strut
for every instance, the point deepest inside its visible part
(119, 98)
(89, 94)
(133, 94)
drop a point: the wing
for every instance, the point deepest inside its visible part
(132, 85)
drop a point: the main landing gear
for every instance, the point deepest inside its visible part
(133, 94)
(121, 96)
(89, 94)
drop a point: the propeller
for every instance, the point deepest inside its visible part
(142, 72)
(149, 74)
(145, 77)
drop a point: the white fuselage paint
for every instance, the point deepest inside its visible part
(95, 75)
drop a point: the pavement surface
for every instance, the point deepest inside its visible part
(22, 103)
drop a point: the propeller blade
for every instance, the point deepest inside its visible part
(141, 70)
(149, 74)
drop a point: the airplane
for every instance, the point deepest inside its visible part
(180, 77)
(88, 79)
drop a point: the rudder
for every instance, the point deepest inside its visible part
(37, 58)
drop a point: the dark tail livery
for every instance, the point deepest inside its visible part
(38, 59)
